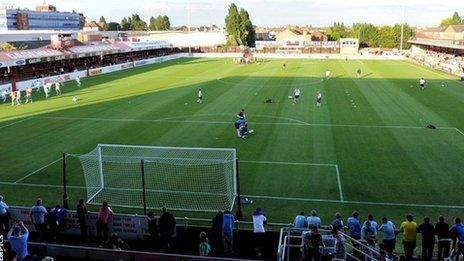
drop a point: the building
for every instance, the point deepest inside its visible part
(94, 26)
(301, 34)
(45, 17)
(349, 46)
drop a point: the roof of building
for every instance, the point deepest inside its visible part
(437, 43)
(456, 28)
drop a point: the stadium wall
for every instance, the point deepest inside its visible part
(301, 56)
(91, 72)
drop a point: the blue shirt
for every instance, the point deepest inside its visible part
(227, 224)
(354, 226)
(367, 231)
(300, 221)
(458, 231)
(313, 221)
(38, 214)
(19, 245)
(3, 208)
(388, 230)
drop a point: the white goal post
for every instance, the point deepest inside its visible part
(180, 178)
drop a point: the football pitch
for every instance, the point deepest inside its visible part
(366, 148)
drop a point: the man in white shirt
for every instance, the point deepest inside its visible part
(200, 96)
(461, 74)
(296, 95)
(318, 99)
(259, 220)
(78, 81)
(327, 75)
(422, 83)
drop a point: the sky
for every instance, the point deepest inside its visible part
(264, 12)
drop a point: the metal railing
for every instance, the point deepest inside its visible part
(293, 238)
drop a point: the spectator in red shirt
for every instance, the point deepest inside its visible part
(102, 222)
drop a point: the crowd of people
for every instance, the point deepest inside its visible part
(450, 63)
(367, 232)
(379, 237)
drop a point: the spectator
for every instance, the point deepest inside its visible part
(259, 221)
(337, 223)
(50, 220)
(167, 228)
(117, 243)
(339, 244)
(4, 216)
(409, 229)
(216, 231)
(312, 243)
(313, 220)
(18, 236)
(81, 218)
(228, 232)
(152, 227)
(204, 247)
(300, 221)
(428, 238)
(461, 74)
(442, 230)
(354, 226)
(102, 222)
(389, 236)
(37, 215)
(374, 224)
(60, 215)
(457, 231)
(369, 234)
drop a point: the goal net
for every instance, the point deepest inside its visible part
(190, 179)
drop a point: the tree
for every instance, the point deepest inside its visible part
(113, 26)
(167, 23)
(102, 19)
(233, 26)
(407, 35)
(368, 34)
(239, 27)
(133, 23)
(248, 29)
(160, 23)
(456, 18)
(388, 37)
(337, 31)
(82, 20)
(453, 20)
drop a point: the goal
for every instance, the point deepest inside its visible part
(189, 179)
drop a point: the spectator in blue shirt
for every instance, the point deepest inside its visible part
(337, 223)
(354, 226)
(313, 220)
(369, 233)
(300, 221)
(17, 236)
(374, 224)
(228, 232)
(4, 216)
(389, 236)
(457, 231)
(37, 215)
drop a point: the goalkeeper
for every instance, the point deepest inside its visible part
(244, 132)
(238, 123)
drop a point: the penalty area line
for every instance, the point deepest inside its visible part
(38, 170)
(16, 122)
(353, 202)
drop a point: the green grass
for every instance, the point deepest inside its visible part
(371, 130)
